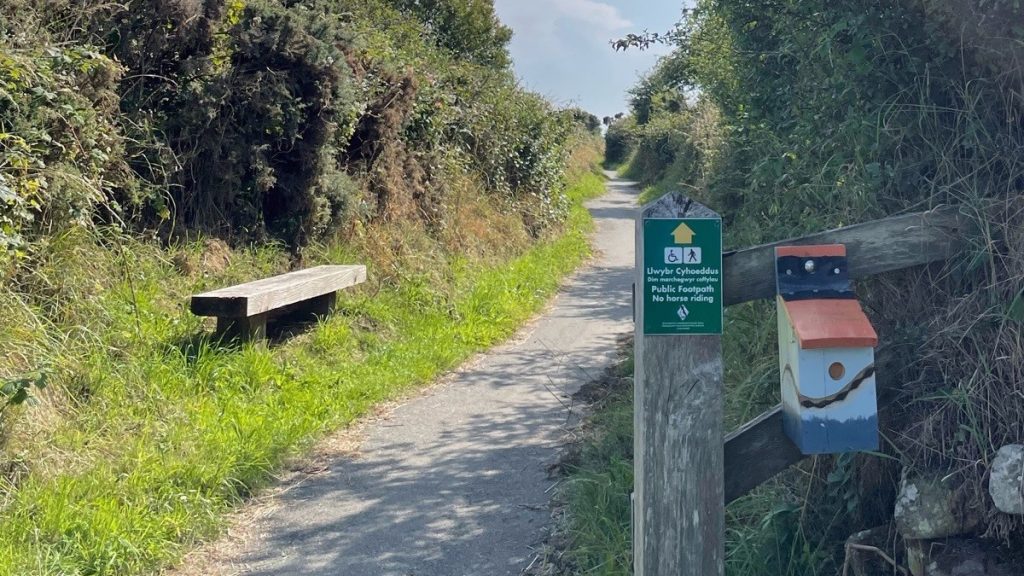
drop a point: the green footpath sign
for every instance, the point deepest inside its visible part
(682, 268)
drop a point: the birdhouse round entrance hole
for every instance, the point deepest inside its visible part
(837, 370)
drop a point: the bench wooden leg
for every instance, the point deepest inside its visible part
(255, 327)
(244, 329)
(323, 305)
(305, 312)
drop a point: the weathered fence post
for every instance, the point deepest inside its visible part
(679, 505)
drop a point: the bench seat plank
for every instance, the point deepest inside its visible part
(263, 296)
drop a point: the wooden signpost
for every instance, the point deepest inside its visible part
(679, 502)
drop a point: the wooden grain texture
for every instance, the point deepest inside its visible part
(872, 248)
(756, 452)
(262, 296)
(679, 507)
(760, 449)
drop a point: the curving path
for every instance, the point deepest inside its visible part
(455, 482)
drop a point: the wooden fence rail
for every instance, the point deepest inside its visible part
(872, 248)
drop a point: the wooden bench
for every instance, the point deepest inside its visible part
(242, 311)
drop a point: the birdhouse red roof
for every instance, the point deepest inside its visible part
(830, 324)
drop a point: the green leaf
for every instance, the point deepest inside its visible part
(19, 398)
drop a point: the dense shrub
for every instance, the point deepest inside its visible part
(586, 120)
(291, 120)
(619, 141)
(61, 148)
(470, 29)
(252, 99)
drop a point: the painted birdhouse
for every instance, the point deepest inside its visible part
(826, 353)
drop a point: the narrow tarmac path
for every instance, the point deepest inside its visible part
(455, 483)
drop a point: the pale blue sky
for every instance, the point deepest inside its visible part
(561, 50)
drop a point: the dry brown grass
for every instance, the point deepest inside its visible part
(959, 328)
(970, 402)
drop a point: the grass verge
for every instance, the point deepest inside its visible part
(175, 429)
(599, 479)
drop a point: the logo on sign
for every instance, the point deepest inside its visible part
(683, 312)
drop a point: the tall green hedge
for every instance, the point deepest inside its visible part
(271, 119)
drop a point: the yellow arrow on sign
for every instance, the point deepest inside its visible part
(683, 234)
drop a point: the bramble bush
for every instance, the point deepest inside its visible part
(61, 150)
